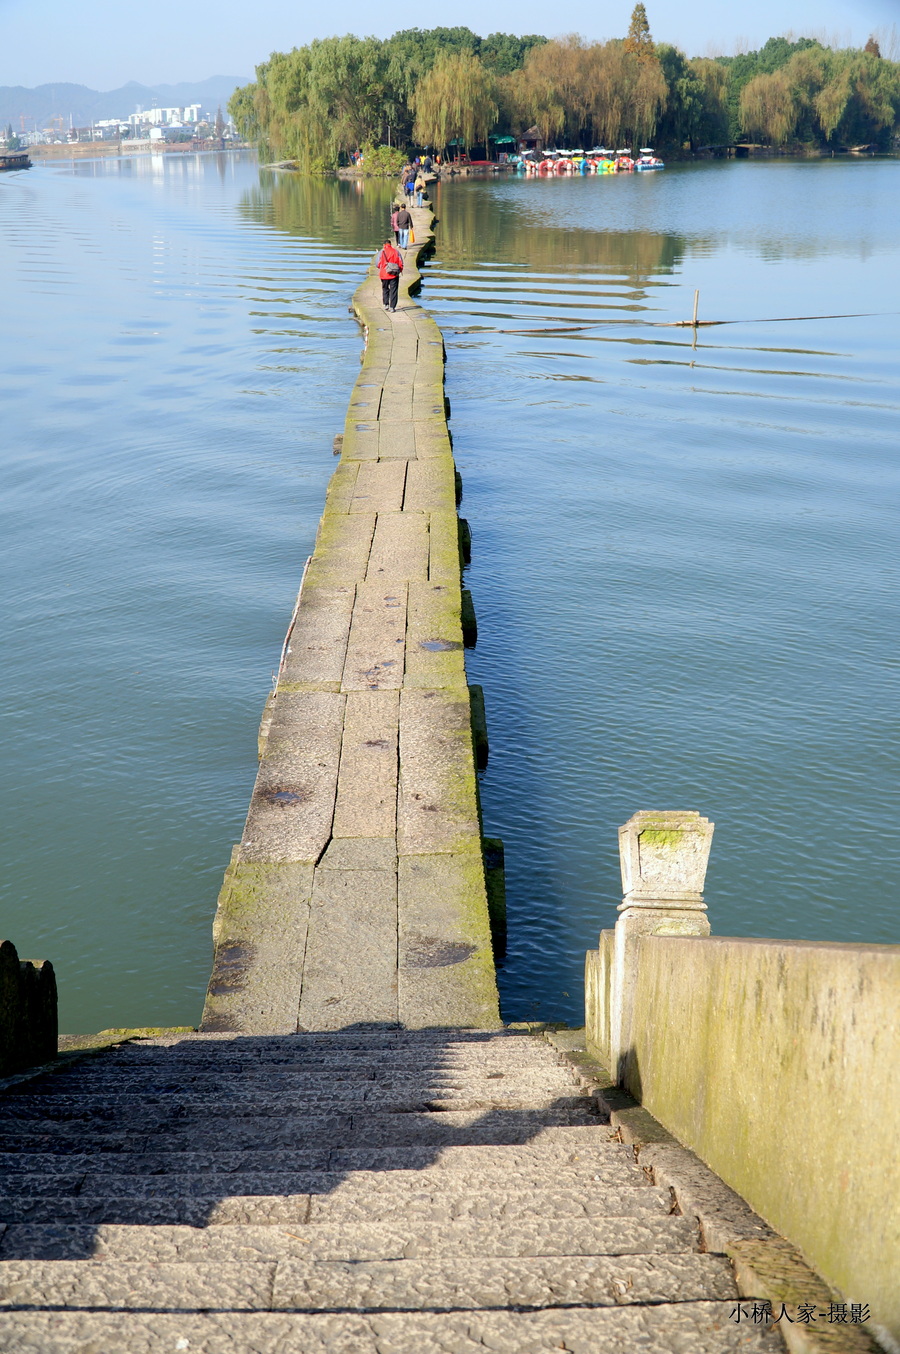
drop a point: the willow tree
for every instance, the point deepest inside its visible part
(768, 109)
(248, 118)
(553, 89)
(629, 93)
(861, 98)
(455, 100)
(821, 96)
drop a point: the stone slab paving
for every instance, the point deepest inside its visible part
(321, 1192)
(684, 1328)
(357, 892)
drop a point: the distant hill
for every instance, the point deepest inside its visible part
(90, 105)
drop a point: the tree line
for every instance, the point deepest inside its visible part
(448, 87)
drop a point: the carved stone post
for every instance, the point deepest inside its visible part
(663, 858)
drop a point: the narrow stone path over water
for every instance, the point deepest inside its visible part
(358, 890)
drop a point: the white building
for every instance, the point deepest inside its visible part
(165, 117)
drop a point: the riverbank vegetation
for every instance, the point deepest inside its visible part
(449, 88)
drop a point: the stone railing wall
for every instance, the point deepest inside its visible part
(28, 1028)
(775, 1061)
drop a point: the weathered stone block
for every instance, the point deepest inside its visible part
(367, 781)
(377, 641)
(446, 968)
(437, 806)
(292, 807)
(260, 938)
(350, 968)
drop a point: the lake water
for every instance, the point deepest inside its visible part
(684, 564)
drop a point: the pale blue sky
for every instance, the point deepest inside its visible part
(104, 43)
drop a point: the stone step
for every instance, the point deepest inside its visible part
(343, 1098)
(593, 1178)
(343, 1044)
(385, 1092)
(23, 1144)
(451, 1037)
(261, 1075)
(338, 1068)
(347, 1205)
(422, 1132)
(669, 1235)
(342, 1205)
(421, 1160)
(211, 1129)
(670, 1328)
(366, 1286)
(521, 1053)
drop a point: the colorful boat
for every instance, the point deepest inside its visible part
(648, 160)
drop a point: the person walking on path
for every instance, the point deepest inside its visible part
(390, 265)
(394, 227)
(420, 188)
(404, 226)
(410, 184)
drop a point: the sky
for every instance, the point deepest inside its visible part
(105, 43)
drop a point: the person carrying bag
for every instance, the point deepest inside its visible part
(390, 265)
(404, 225)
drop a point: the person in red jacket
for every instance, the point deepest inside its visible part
(390, 265)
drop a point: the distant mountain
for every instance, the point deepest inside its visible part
(89, 105)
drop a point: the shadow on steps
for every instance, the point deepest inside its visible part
(342, 1128)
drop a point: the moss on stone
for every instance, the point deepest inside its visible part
(661, 837)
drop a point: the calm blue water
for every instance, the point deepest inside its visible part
(684, 559)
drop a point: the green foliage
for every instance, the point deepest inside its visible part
(322, 101)
(318, 103)
(456, 100)
(586, 92)
(382, 162)
(776, 53)
(502, 53)
(846, 97)
(696, 111)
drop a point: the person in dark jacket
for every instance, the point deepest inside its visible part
(390, 265)
(404, 225)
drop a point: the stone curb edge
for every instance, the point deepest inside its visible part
(767, 1268)
(75, 1047)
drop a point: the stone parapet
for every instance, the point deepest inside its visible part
(776, 1061)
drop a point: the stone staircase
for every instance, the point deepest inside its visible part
(373, 1190)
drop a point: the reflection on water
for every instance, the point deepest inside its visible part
(684, 561)
(354, 214)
